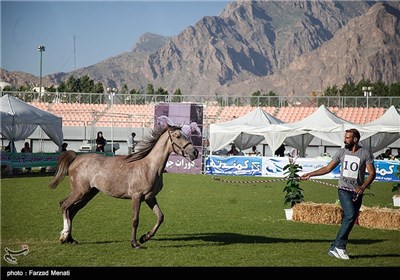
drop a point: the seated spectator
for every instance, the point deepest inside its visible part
(233, 151)
(26, 148)
(254, 151)
(386, 155)
(280, 152)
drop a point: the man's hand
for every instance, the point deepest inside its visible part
(305, 176)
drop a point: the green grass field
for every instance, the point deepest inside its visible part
(207, 224)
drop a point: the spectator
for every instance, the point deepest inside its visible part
(254, 151)
(386, 155)
(64, 147)
(27, 149)
(132, 143)
(233, 151)
(280, 152)
(100, 142)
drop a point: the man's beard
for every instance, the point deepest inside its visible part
(349, 146)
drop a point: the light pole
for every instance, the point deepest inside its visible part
(112, 92)
(367, 93)
(41, 49)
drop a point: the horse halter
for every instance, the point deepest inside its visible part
(179, 146)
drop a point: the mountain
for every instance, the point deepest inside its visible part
(290, 47)
(368, 47)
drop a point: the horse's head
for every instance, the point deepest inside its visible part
(180, 143)
(163, 122)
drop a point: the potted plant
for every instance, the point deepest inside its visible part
(294, 193)
(396, 190)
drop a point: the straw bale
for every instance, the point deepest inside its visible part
(326, 213)
(383, 218)
(317, 213)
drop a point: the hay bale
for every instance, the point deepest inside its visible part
(383, 218)
(317, 213)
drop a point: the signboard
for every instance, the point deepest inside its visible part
(273, 167)
(190, 117)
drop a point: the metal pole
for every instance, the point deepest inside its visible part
(41, 50)
(40, 79)
(367, 93)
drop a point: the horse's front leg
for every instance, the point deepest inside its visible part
(135, 220)
(152, 203)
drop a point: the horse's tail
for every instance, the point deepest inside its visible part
(64, 161)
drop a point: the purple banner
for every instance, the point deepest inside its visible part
(190, 118)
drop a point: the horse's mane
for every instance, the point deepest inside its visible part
(147, 144)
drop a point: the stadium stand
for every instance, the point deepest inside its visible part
(140, 115)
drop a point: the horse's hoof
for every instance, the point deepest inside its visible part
(135, 246)
(64, 236)
(142, 238)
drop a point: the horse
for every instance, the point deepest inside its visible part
(138, 176)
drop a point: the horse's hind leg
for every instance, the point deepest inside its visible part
(152, 203)
(70, 206)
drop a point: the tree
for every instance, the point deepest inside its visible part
(161, 95)
(136, 97)
(177, 96)
(149, 92)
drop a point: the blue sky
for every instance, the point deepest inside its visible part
(101, 29)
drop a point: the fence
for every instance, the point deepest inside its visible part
(270, 101)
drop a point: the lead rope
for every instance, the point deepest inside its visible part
(283, 179)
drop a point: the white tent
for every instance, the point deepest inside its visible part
(382, 132)
(322, 124)
(257, 125)
(19, 120)
(242, 131)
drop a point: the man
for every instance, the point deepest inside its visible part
(233, 151)
(132, 143)
(281, 151)
(354, 160)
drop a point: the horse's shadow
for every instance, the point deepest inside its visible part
(228, 238)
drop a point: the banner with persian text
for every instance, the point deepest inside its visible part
(273, 167)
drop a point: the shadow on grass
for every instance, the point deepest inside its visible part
(226, 238)
(375, 256)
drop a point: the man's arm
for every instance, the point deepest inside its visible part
(371, 177)
(321, 171)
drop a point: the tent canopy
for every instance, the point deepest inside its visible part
(243, 131)
(382, 132)
(19, 120)
(322, 124)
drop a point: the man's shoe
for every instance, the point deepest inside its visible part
(333, 253)
(339, 253)
(342, 253)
